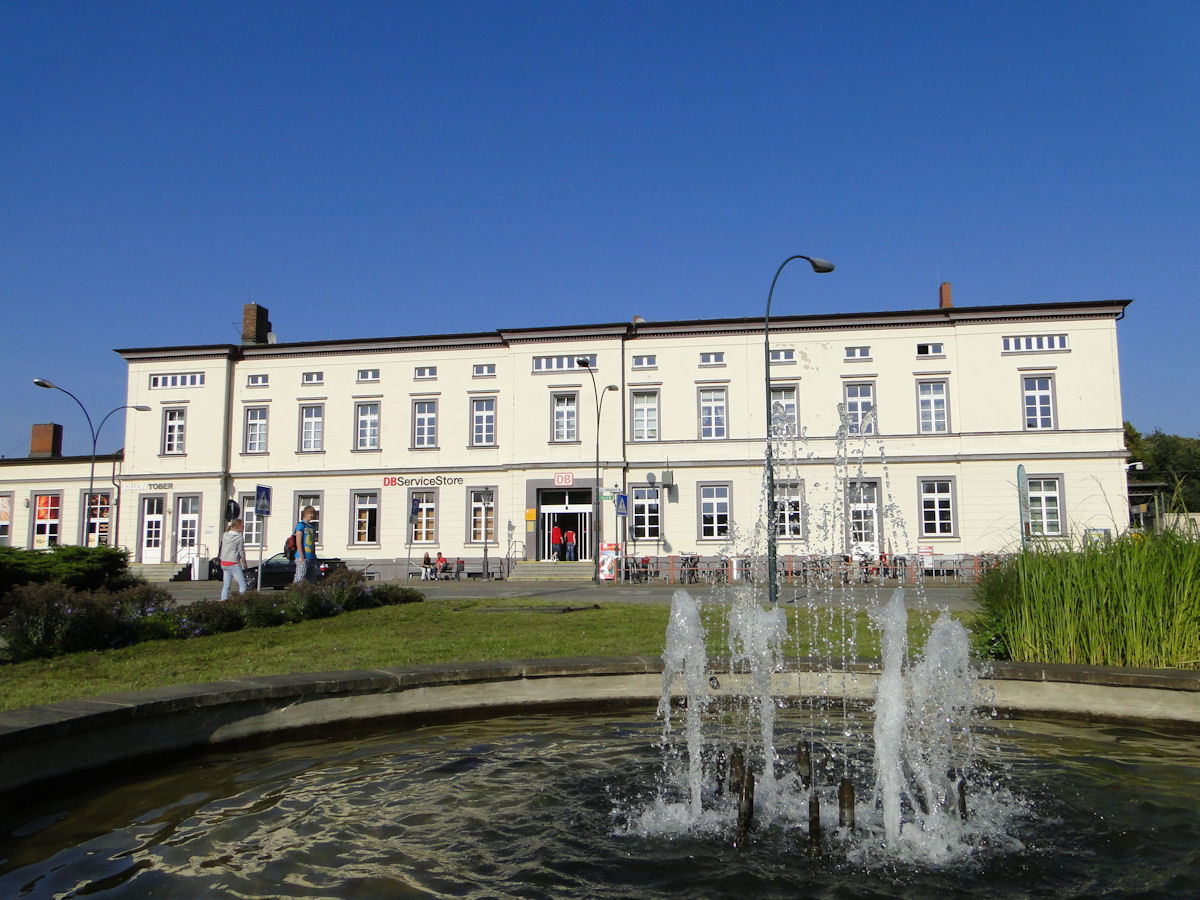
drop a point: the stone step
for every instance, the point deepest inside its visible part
(161, 571)
(543, 570)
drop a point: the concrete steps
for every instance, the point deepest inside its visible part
(157, 572)
(543, 570)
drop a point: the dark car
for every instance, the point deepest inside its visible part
(277, 572)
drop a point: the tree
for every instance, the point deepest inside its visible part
(1169, 459)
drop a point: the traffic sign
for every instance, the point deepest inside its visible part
(622, 504)
(262, 500)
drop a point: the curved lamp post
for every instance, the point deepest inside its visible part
(820, 266)
(584, 363)
(87, 511)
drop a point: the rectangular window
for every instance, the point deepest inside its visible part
(257, 380)
(712, 413)
(313, 500)
(483, 370)
(714, 358)
(366, 417)
(99, 520)
(562, 363)
(783, 355)
(565, 417)
(937, 507)
(368, 374)
(858, 352)
(423, 512)
(46, 522)
(6, 507)
(483, 516)
(1045, 506)
(931, 407)
(177, 380)
(714, 510)
(256, 429)
(1038, 393)
(863, 508)
(785, 416)
(1034, 343)
(312, 378)
(252, 524)
(930, 350)
(425, 423)
(483, 422)
(174, 430)
(646, 514)
(645, 415)
(425, 372)
(789, 510)
(365, 508)
(645, 362)
(860, 404)
(312, 428)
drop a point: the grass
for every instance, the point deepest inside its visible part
(411, 634)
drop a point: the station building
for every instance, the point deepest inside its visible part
(894, 432)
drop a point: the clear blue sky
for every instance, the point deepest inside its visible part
(390, 168)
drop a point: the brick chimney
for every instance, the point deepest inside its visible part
(46, 440)
(255, 324)
(944, 296)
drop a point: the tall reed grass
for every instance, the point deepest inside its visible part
(1133, 601)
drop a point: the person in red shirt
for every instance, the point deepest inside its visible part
(570, 544)
(555, 542)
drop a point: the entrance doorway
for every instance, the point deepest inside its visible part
(571, 510)
(152, 530)
(863, 515)
(187, 528)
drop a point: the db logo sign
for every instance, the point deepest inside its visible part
(563, 479)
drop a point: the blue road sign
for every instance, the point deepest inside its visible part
(622, 504)
(262, 500)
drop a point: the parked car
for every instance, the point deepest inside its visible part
(277, 572)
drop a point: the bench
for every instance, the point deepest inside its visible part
(464, 568)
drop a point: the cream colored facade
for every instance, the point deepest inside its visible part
(941, 407)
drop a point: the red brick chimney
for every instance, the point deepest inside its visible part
(46, 440)
(944, 296)
(255, 324)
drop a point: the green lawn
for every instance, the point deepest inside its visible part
(410, 634)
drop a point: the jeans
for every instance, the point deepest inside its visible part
(230, 574)
(570, 551)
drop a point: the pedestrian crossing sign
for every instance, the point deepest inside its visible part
(622, 504)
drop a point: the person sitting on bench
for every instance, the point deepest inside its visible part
(441, 566)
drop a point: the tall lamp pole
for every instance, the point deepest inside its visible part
(486, 497)
(50, 385)
(584, 363)
(820, 266)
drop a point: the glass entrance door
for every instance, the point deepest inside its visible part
(187, 528)
(152, 530)
(568, 510)
(863, 515)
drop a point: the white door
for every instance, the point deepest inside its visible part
(187, 528)
(863, 512)
(152, 530)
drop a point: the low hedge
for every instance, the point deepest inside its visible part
(48, 619)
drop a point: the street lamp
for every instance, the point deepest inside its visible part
(819, 266)
(585, 363)
(485, 497)
(50, 385)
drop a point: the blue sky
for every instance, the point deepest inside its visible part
(390, 168)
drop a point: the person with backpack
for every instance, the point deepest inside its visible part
(306, 548)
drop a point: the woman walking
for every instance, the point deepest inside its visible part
(233, 558)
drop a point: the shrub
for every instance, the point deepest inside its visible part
(36, 618)
(83, 568)
(387, 593)
(209, 617)
(308, 601)
(346, 589)
(263, 610)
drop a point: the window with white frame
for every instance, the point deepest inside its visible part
(364, 506)
(644, 410)
(483, 422)
(566, 424)
(257, 380)
(6, 508)
(1038, 398)
(562, 363)
(425, 424)
(860, 402)
(483, 370)
(712, 413)
(256, 429)
(1045, 506)
(313, 500)
(785, 416)
(423, 511)
(862, 501)
(858, 352)
(312, 428)
(366, 426)
(783, 355)
(714, 510)
(312, 378)
(646, 515)
(1033, 343)
(483, 516)
(177, 380)
(712, 358)
(174, 430)
(368, 374)
(931, 407)
(47, 520)
(930, 350)
(937, 507)
(425, 373)
(252, 523)
(645, 361)
(789, 509)
(99, 520)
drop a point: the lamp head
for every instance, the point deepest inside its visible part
(820, 266)
(583, 362)
(141, 407)
(611, 387)
(45, 383)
